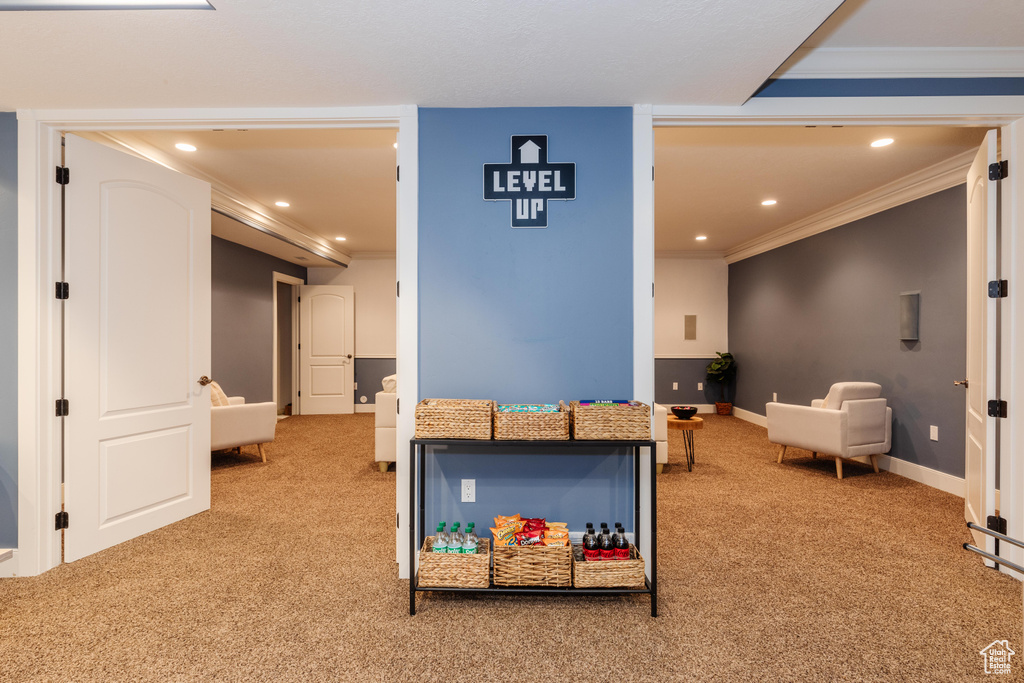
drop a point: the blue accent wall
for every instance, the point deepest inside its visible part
(532, 315)
(8, 330)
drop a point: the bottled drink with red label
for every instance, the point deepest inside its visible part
(621, 545)
(607, 546)
(615, 536)
(591, 547)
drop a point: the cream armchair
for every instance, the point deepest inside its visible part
(239, 424)
(852, 422)
(385, 423)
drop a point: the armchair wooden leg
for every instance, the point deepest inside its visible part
(660, 467)
(782, 452)
(874, 462)
(263, 453)
(382, 466)
(839, 467)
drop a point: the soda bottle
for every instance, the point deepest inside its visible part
(591, 547)
(607, 547)
(440, 544)
(455, 539)
(471, 541)
(615, 536)
(621, 545)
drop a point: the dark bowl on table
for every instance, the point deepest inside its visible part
(684, 412)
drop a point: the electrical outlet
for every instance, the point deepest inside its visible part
(469, 490)
(675, 386)
(355, 386)
(700, 386)
(775, 397)
(934, 433)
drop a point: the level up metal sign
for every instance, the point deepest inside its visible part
(529, 181)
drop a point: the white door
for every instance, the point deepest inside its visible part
(326, 342)
(137, 339)
(980, 473)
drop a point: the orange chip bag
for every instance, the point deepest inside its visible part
(503, 534)
(502, 520)
(558, 525)
(556, 533)
(556, 541)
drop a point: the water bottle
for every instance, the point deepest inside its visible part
(455, 539)
(469, 545)
(440, 544)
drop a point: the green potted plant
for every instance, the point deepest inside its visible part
(722, 371)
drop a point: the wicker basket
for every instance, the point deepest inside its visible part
(453, 418)
(532, 426)
(614, 422)
(609, 573)
(441, 570)
(536, 565)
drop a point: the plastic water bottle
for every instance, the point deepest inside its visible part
(440, 544)
(469, 545)
(455, 539)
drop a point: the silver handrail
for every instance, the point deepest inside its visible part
(990, 556)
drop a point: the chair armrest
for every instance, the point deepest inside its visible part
(814, 429)
(235, 400)
(870, 421)
(817, 403)
(241, 425)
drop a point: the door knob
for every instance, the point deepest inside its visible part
(961, 383)
(204, 380)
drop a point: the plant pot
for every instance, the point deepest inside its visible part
(723, 408)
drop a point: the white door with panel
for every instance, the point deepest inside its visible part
(326, 343)
(982, 217)
(137, 340)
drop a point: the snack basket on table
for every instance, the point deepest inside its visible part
(453, 418)
(608, 573)
(443, 570)
(546, 560)
(610, 420)
(532, 422)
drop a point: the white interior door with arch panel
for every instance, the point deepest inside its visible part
(326, 345)
(982, 267)
(137, 340)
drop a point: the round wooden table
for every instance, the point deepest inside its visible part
(688, 427)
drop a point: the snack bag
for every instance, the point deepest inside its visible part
(501, 520)
(557, 541)
(529, 538)
(503, 535)
(556, 533)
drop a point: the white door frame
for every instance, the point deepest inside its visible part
(39, 151)
(291, 280)
(38, 144)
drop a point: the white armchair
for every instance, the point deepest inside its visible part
(661, 435)
(239, 424)
(385, 423)
(852, 422)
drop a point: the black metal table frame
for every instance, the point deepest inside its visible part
(417, 455)
(688, 446)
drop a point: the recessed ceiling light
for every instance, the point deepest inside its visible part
(882, 143)
(282, 204)
(769, 202)
(185, 147)
(395, 145)
(701, 238)
(340, 239)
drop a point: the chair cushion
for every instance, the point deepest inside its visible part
(390, 383)
(850, 391)
(217, 395)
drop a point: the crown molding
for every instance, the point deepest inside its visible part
(935, 178)
(233, 203)
(691, 255)
(373, 255)
(903, 62)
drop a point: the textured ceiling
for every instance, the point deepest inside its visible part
(361, 52)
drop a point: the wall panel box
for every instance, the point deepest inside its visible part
(910, 311)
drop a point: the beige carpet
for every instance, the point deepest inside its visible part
(766, 573)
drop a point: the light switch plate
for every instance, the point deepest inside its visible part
(933, 433)
(700, 386)
(675, 386)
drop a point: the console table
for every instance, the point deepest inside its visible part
(417, 454)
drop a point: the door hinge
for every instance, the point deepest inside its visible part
(63, 175)
(398, 174)
(300, 393)
(999, 170)
(652, 173)
(398, 289)
(298, 299)
(998, 289)
(398, 406)
(60, 521)
(997, 408)
(62, 290)
(997, 524)
(62, 407)
(397, 525)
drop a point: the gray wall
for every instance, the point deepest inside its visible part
(8, 330)
(243, 314)
(826, 309)
(687, 372)
(369, 373)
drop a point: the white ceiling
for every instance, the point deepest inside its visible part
(312, 53)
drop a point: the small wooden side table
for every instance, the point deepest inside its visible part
(688, 427)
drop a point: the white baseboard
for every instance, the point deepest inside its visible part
(366, 408)
(919, 473)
